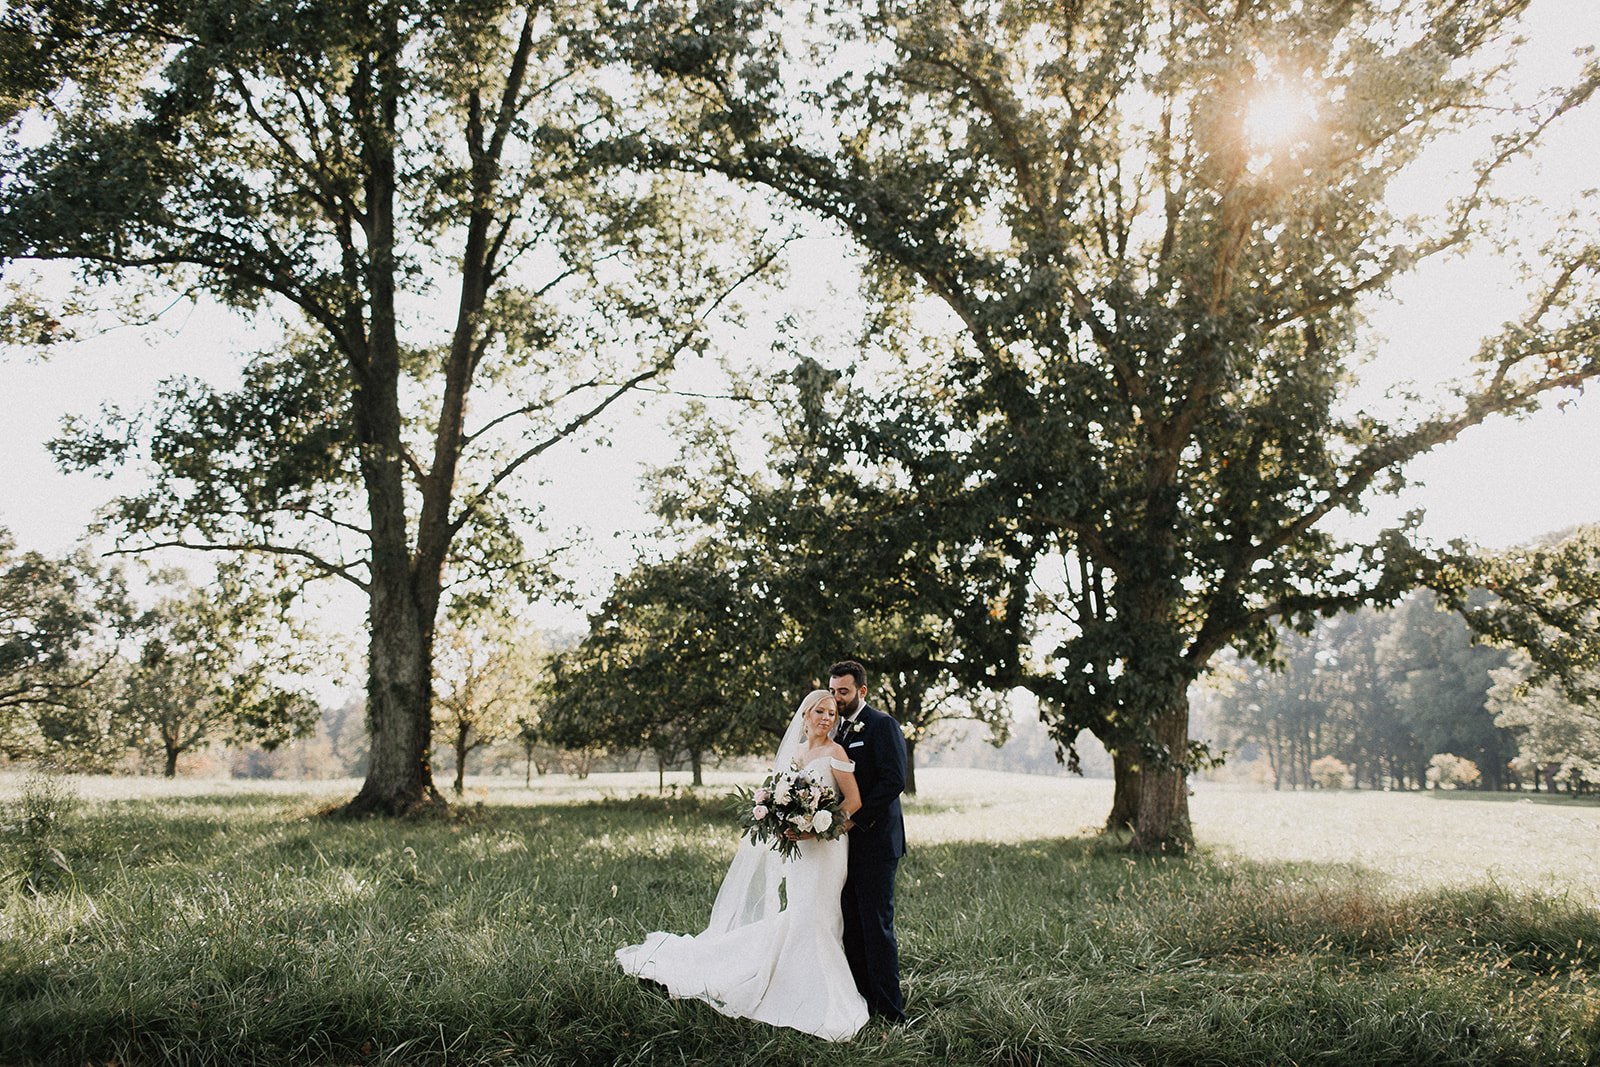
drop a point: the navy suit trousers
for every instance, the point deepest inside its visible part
(869, 944)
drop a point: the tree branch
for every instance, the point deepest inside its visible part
(331, 570)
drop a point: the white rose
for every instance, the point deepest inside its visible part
(822, 820)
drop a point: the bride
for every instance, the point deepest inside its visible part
(774, 955)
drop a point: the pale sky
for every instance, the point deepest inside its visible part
(1502, 483)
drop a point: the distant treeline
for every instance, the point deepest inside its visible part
(1403, 699)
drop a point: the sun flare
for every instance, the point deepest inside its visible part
(1279, 114)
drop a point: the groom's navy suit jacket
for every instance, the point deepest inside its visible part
(879, 752)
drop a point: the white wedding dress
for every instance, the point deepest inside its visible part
(779, 963)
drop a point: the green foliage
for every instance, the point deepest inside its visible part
(218, 663)
(255, 162)
(795, 558)
(682, 659)
(1545, 603)
(1558, 738)
(229, 929)
(60, 620)
(488, 684)
(1439, 673)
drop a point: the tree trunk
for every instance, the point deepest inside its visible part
(461, 759)
(1275, 755)
(1125, 774)
(661, 775)
(172, 760)
(1163, 823)
(694, 762)
(403, 593)
(911, 768)
(400, 715)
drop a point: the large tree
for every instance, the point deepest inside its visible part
(1155, 228)
(842, 505)
(406, 187)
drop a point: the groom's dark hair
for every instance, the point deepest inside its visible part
(850, 667)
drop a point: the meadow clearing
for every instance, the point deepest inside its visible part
(229, 922)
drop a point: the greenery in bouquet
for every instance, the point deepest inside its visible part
(789, 800)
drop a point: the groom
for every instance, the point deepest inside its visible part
(877, 840)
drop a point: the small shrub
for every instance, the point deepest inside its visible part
(1331, 772)
(41, 820)
(1454, 772)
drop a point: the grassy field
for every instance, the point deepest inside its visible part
(229, 923)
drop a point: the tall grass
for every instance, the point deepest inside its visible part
(249, 930)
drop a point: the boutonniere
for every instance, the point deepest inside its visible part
(857, 726)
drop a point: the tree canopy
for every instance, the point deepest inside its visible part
(1546, 602)
(685, 659)
(1139, 241)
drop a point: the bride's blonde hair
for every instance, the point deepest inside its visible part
(812, 699)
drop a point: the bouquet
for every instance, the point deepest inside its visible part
(793, 799)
